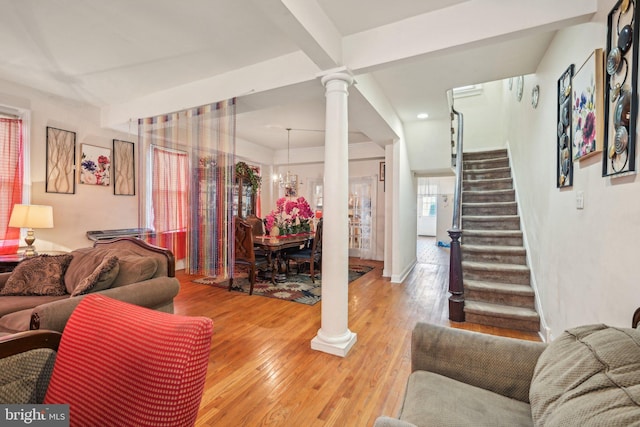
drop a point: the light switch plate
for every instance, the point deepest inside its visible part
(579, 200)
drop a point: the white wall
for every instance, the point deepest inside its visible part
(583, 260)
(483, 117)
(92, 207)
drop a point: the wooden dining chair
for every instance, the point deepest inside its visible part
(311, 256)
(245, 255)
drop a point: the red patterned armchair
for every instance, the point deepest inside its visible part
(116, 363)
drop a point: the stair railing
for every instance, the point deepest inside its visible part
(456, 286)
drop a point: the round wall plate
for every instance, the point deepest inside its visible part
(535, 96)
(519, 88)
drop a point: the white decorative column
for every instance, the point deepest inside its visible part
(334, 336)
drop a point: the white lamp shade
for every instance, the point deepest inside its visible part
(31, 216)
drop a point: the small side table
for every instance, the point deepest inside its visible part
(9, 262)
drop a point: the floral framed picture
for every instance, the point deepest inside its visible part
(95, 165)
(124, 169)
(587, 130)
(61, 161)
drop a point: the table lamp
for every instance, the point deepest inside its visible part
(31, 216)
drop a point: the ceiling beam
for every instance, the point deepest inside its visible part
(309, 27)
(457, 26)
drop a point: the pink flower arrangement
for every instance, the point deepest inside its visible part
(290, 213)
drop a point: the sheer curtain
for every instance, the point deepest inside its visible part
(189, 174)
(11, 176)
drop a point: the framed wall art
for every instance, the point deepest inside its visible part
(587, 129)
(564, 169)
(61, 161)
(621, 105)
(124, 172)
(95, 165)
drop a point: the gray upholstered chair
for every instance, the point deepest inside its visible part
(590, 375)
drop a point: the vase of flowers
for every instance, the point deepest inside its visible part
(290, 216)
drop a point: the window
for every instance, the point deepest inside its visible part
(428, 206)
(427, 197)
(169, 191)
(11, 180)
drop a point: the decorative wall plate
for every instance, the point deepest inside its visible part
(535, 96)
(519, 88)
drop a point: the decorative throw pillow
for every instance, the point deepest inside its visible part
(588, 376)
(38, 275)
(84, 262)
(100, 279)
(135, 268)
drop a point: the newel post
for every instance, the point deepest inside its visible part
(456, 288)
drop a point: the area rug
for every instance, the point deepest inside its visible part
(297, 288)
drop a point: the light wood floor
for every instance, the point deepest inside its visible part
(262, 371)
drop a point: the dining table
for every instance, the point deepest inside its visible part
(275, 246)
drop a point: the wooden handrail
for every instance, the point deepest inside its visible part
(456, 286)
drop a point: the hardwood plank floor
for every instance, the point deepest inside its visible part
(262, 371)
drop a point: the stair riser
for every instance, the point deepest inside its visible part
(500, 298)
(492, 240)
(475, 175)
(517, 277)
(500, 322)
(490, 210)
(482, 155)
(484, 185)
(486, 164)
(488, 197)
(491, 224)
(498, 258)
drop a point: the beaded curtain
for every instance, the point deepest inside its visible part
(205, 136)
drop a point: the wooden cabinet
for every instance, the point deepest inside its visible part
(244, 199)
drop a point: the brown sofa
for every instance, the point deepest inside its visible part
(127, 269)
(589, 376)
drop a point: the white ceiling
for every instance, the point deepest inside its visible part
(114, 53)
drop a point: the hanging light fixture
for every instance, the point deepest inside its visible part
(290, 181)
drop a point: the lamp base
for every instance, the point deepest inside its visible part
(31, 250)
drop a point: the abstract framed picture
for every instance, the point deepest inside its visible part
(124, 169)
(564, 167)
(95, 165)
(587, 129)
(61, 161)
(621, 111)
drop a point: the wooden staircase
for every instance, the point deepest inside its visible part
(496, 277)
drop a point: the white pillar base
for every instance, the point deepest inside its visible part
(339, 346)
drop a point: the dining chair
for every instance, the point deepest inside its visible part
(245, 255)
(115, 363)
(311, 255)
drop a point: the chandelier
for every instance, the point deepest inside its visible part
(289, 181)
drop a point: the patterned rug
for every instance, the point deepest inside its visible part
(297, 288)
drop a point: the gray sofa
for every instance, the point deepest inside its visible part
(589, 376)
(127, 269)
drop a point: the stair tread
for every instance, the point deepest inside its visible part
(501, 190)
(478, 204)
(491, 266)
(495, 248)
(479, 180)
(500, 169)
(500, 310)
(473, 232)
(512, 288)
(490, 217)
(490, 159)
